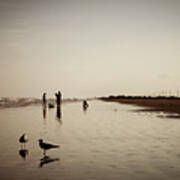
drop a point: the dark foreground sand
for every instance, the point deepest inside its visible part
(170, 105)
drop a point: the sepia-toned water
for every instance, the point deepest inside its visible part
(108, 141)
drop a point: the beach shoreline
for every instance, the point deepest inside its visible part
(161, 104)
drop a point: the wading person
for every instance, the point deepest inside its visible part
(44, 98)
(58, 98)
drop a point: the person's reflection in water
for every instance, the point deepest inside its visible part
(84, 109)
(44, 103)
(23, 153)
(44, 111)
(59, 114)
(46, 160)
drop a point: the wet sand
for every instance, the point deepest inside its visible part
(165, 105)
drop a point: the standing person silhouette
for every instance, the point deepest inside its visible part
(44, 98)
(58, 98)
(58, 102)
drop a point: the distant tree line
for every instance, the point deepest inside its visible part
(139, 97)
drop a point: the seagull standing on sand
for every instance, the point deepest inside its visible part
(46, 146)
(23, 139)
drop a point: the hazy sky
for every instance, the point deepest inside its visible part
(89, 47)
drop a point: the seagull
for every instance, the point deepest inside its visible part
(23, 139)
(46, 146)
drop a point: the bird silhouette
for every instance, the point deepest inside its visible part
(23, 139)
(46, 146)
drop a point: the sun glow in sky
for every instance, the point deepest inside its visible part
(89, 48)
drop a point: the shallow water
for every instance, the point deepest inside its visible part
(108, 141)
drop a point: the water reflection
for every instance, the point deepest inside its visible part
(23, 153)
(172, 116)
(125, 144)
(46, 160)
(85, 109)
(59, 114)
(44, 111)
(44, 103)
